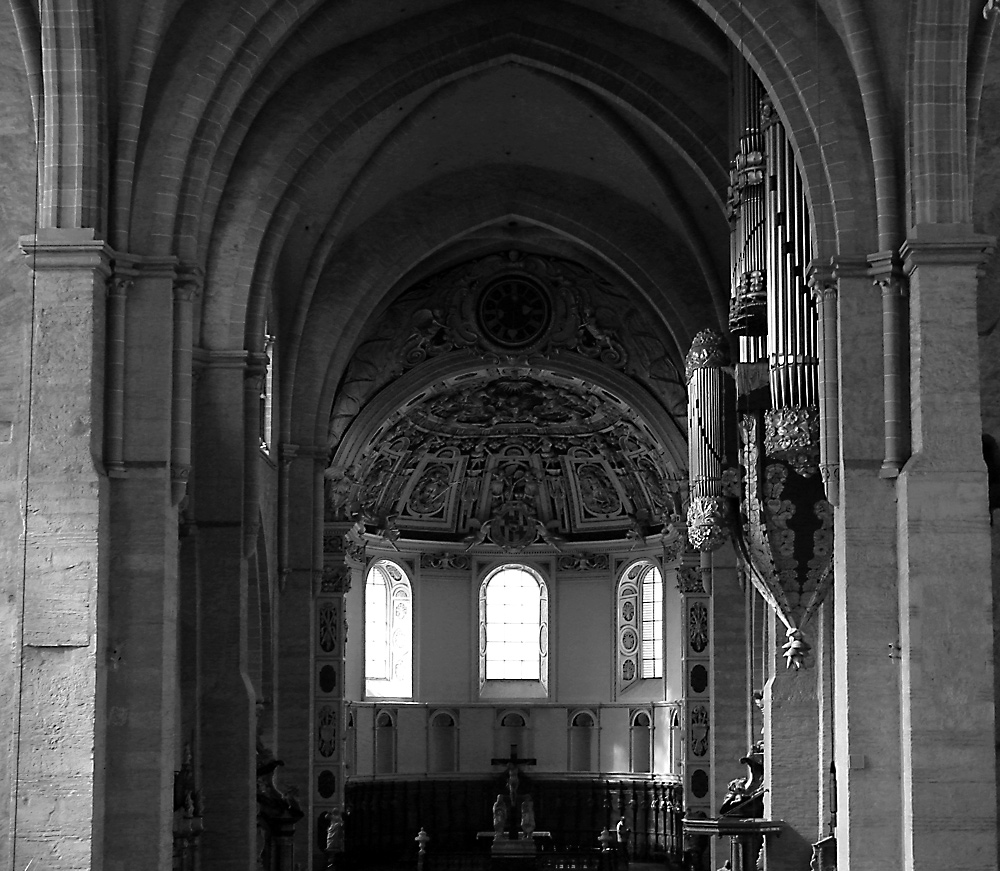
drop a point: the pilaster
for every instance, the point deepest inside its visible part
(791, 759)
(60, 735)
(302, 692)
(866, 700)
(945, 654)
(143, 588)
(729, 683)
(226, 695)
(696, 662)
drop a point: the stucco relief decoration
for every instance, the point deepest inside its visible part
(454, 562)
(628, 625)
(786, 540)
(328, 625)
(431, 490)
(689, 580)
(698, 627)
(326, 737)
(561, 306)
(335, 579)
(628, 641)
(355, 545)
(512, 457)
(699, 730)
(583, 562)
(597, 493)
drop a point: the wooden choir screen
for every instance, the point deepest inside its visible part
(384, 814)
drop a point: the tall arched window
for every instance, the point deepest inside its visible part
(388, 632)
(640, 624)
(513, 633)
(267, 394)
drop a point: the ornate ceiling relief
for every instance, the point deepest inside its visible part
(512, 451)
(513, 308)
(513, 456)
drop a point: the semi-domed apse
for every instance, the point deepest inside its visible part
(512, 400)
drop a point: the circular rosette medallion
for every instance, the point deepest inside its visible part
(628, 641)
(513, 312)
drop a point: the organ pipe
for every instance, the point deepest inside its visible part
(706, 440)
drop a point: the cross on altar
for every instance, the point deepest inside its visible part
(513, 764)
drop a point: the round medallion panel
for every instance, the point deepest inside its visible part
(513, 312)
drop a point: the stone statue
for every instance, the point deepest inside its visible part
(499, 817)
(527, 816)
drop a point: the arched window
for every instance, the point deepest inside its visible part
(388, 632)
(640, 624)
(641, 741)
(513, 633)
(581, 742)
(266, 416)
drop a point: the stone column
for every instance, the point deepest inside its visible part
(142, 607)
(227, 698)
(945, 655)
(60, 731)
(866, 705)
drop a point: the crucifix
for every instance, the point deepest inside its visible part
(513, 763)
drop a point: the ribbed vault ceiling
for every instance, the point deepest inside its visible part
(318, 161)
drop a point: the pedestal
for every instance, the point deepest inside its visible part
(514, 854)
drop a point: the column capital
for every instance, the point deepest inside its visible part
(188, 282)
(141, 265)
(884, 267)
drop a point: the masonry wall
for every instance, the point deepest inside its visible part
(17, 192)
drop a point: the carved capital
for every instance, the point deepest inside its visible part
(119, 284)
(706, 522)
(336, 579)
(822, 281)
(708, 351)
(188, 283)
(886, 273)
(689, 580)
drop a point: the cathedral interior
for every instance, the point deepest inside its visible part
(499, 434)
